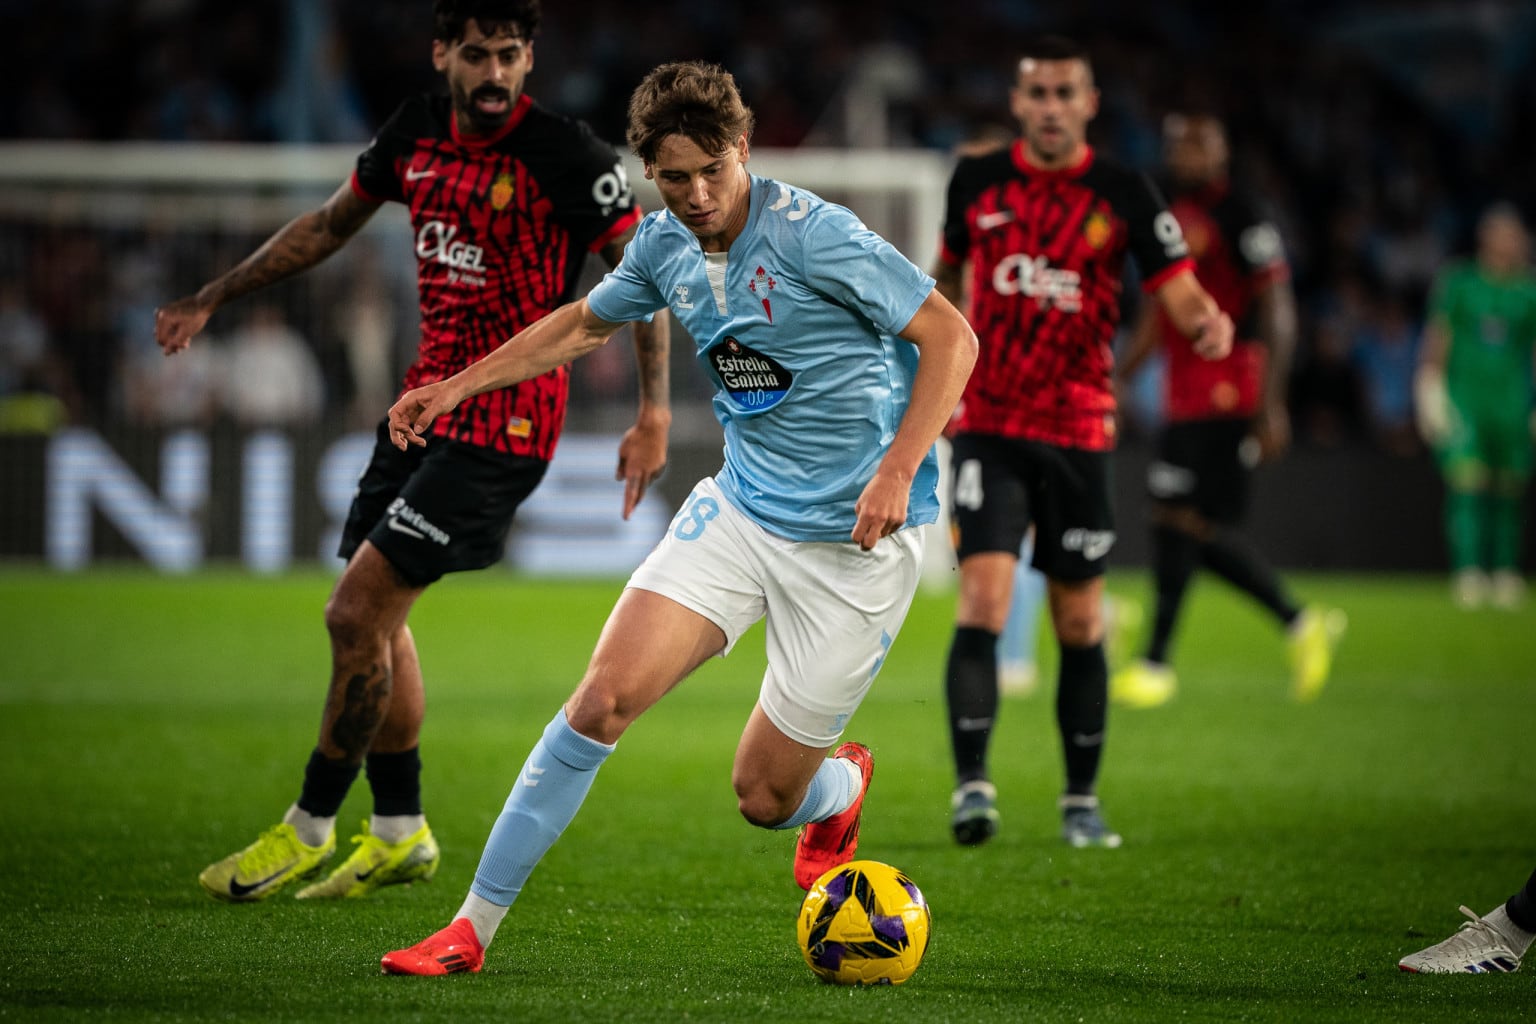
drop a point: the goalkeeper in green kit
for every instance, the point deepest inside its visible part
(1473, 397)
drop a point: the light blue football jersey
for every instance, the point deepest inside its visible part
(796, 327)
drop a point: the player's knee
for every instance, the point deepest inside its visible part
(1184, 519)
(983, 612)
(347, 623)
(763, 805)
(1468, 476)
(1079, 629)
(598, 712)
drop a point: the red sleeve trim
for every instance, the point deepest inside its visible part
(362, 193)
(618, 227)
(1168, 273)
(948, 256)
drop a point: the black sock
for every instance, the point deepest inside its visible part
(396, 782)
(970, 685)
(1521, 907)
(1081, 693)
(1174, 557)
(1242, 567)
(325, 785)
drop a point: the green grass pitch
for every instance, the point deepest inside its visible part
(1277, 861)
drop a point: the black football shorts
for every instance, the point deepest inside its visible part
(444, 508)
(1003, 485)
(1205, 464)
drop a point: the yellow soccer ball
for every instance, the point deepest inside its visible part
(864, 923)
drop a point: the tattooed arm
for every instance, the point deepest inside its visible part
(643, 451)
(298, 245)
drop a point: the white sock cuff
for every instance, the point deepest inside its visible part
(394, 828)
(855, 780)
(312, 831)
(484, 915)
(1519, 939)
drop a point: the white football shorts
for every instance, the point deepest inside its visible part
(833, 609)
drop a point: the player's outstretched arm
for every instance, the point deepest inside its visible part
(297, 245)
(946, 352)
(568, 333)
(643, 449)
(1275, 323)
(1196, 316)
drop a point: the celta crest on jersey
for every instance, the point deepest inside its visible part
(1033, 276)
(761, 284)
(754, 381)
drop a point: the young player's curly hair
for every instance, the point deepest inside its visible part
(693, 99)
(450, 16)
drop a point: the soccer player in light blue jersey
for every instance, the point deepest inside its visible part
(836, 365)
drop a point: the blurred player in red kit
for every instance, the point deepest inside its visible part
(1043, 228)
(1223, 417)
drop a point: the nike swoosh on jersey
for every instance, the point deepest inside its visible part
(412, 174)
(988, 221)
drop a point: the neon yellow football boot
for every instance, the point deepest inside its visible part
(267, 865)
(377, 863)
(1313, 638)
(1143, 684)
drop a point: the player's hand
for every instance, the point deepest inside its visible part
(1213, 336)
(177, 323)
(642, 458)
(881, 508)
(1431, 405)
(1272, 429)
(410, 417)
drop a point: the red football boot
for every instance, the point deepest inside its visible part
(455, 948)
(823, 845)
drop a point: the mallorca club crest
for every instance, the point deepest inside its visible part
(755, 382)
(761, 284)
(501, 191)
(1096, 230)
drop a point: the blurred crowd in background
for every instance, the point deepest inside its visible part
(1376, 131)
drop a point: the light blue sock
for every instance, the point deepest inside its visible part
(549, 790)
(832, 789)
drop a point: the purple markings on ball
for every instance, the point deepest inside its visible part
(828, 955)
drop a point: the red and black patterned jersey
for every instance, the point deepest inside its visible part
(1237, 254)
(503, 223)
(1046, 251)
